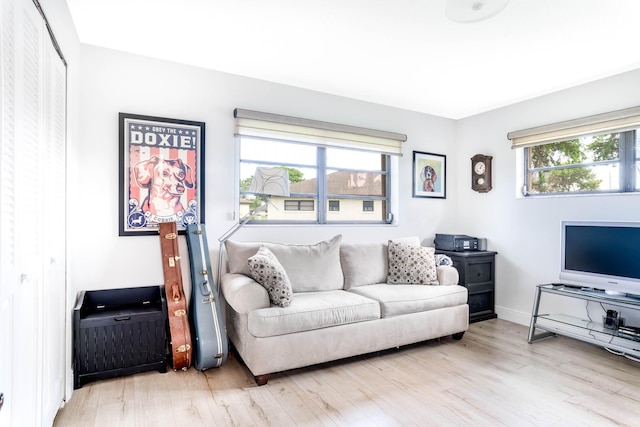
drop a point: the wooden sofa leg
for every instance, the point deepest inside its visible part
(458, 336)
(262, 379)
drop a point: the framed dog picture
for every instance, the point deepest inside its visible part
(429, 175)
(161, 173)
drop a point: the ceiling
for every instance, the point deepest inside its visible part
(400, 53)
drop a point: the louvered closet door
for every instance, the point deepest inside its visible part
(21, 62)
(8, 257)
(54, 234)
(32, 290)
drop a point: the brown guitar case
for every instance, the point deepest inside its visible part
(179, 329)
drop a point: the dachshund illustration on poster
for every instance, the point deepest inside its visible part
(162, 167)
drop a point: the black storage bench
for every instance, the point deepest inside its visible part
(119, 332)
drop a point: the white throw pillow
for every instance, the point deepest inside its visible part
(411, 264)
(309, 267)
(266, 270)
(363, 263)
(312, 267)
(368, 263)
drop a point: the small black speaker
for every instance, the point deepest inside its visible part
(612, 321)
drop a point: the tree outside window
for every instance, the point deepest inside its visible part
(581, 165)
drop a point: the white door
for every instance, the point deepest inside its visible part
(32, 193)
(54, 235)
(8, 263)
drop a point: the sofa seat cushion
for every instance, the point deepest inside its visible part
(312, 310)
(404, 299)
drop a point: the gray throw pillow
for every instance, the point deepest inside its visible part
(309, 267)
(267, 270)
(411, 264)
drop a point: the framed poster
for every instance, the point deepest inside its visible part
(429, 175)
(161, 173)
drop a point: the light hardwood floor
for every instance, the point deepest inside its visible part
(491, 377)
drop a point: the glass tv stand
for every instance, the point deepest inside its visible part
(592, 330)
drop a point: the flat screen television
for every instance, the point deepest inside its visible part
(602, 255)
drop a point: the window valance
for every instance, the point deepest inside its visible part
(276, 126)
(615, 121)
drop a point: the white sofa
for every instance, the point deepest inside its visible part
(340, 306)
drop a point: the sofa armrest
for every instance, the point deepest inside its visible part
(447, 275)
(243, 293)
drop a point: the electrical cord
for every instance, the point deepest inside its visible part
(586, 308)
(617, 353)
(620, 353)
(635, 359)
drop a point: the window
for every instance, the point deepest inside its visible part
(596, 154)
(599, 163)
(299, 205)
(351, 180)
(348, 177)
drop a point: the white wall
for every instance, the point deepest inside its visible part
(526, 232)
(113, 82)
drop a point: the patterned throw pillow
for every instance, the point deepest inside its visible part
(266, 270)
(411, 264)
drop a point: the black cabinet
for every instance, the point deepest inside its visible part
(477, 274)
(119, 332)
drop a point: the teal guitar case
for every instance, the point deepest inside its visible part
(211, 347)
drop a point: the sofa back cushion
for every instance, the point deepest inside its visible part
(363, 263)
(367, 263)
(309, 267)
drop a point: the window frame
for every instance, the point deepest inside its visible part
(628, 139)
(321, 197)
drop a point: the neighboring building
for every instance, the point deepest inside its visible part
(340, 208)
(245, 206)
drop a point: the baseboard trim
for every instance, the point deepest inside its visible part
(513, 316)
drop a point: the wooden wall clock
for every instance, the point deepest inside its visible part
(481, 173)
